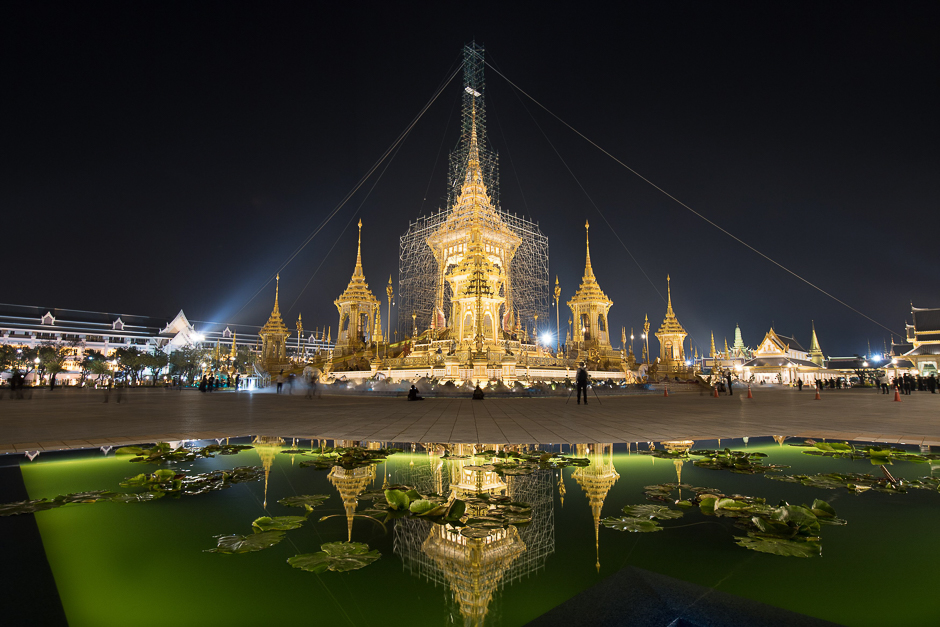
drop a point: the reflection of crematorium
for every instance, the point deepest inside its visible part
(474, 569)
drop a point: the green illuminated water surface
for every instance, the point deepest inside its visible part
(141, 563)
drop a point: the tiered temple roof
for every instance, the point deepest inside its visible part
(358, 290)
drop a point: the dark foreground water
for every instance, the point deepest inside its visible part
(146, 563)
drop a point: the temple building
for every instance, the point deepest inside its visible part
(671, 336)
(274, 336)
(359, 322)
(589, 308)
(781, 359)
(921, 350)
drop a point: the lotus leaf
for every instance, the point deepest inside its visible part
(456, 510)
(304, 500)
(335, 556)
(421, 506)
(27, 507)
(636, 525)
(651, 511)
(247, 544)
(822, 509)
(278, 523)
(397, 499)
(779, 546)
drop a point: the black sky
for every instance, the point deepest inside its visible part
(161, 155)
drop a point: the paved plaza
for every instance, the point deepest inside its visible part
(79, 418)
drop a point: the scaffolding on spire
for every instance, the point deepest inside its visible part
(418, 273)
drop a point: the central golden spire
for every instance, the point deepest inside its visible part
(588, 270)
(669, 297)
(277, 289)
(358, 270)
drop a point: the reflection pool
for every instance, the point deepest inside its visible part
(148, 563)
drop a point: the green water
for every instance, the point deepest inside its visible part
(145, 563)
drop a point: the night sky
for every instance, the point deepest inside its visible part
(160, 156)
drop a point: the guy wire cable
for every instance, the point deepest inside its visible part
(362, 181)
(670, 196)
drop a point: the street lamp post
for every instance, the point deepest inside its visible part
(557, 325)
(388, 318)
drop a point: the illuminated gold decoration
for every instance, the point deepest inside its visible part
(589, 309)
(274, 335)
(596, 480)
(671, 337)
(357, 307)
(474, 248)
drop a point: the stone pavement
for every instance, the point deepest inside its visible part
(79, 418)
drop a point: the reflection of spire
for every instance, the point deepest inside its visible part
(350, 483)
(596, 480)
(267, 447)
(779, 439)
(561, 487)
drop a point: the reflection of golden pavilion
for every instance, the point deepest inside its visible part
(267, 448)
(473, 567)
(350, 483)
(596, 480)
(678, 446)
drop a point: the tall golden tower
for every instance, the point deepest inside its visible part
(473, 249)
(671, 337)
(589, 308)
(274, 335)
(596, 480)
(357, 307)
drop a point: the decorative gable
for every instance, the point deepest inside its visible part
(48, 319)
(117, 325)
(227, 333)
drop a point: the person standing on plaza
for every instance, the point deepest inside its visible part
(799, 384)
(280, 381)
(728, 378)
(211, 383)
(238, 378)
(581, 380)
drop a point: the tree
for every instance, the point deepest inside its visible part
(155, 362)
(184, 361)
(130, 361)
(93, 362)
(52, 357)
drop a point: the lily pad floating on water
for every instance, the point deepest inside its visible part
(247, 544)
(740, 462)
(781, 546)
(304, 500)
(651, 511)
(635, 525)
(278, 523)
(336, 556)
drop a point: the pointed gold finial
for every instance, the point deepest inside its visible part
(358, 271)
(669, 295)
(277, 289)
(588, 270)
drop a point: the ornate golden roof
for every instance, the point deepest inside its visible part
(474, 209)
(358, 290)
(670, 322)
(589, 291)
(275, 325)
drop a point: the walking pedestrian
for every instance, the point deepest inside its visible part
(280, 381)
(238, 378)
(799, 384)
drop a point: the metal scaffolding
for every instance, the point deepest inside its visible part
(418, 273)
